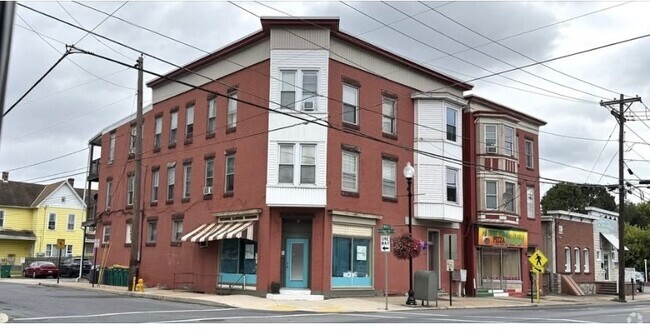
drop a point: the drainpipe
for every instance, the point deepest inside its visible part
(553, 254)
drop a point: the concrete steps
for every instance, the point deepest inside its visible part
(295, 294)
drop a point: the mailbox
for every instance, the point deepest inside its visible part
(425, 286)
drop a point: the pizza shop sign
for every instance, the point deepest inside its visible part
(502, 238)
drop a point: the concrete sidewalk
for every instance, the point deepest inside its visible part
(337, 305)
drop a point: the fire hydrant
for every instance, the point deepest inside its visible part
(139, 287)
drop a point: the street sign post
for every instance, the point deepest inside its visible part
(385, 231)
(60, 244)
(537, 262)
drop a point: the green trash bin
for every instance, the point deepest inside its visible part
(110, 276)
(5, 271)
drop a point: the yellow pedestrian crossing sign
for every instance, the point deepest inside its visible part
(537, 261)
(60, 243)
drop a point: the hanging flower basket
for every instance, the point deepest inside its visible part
(404, 246)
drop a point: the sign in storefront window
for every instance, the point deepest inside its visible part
(238, 260)
(502, 238)
(351, 262)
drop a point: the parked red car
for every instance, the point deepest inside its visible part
(41, 269)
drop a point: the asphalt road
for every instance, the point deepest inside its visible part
(41, 304)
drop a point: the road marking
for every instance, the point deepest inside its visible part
(420, 314)
(526, 318)
(247, 317)
(124, 313)
(372, 316)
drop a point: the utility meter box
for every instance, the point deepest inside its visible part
(425, 286)
(459, 275)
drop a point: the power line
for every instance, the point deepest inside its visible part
(46, 161)
(515, 51)
(601, 152)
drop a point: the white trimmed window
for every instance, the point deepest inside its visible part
(232, 110)
(111, 148)
(508, 140)
(51, 250)
(177, 230)
(109, 193)
(157, 132)
(155, 185)
(388, 125)
(152, 231)
(171, 181)
(309, 90)
(585, 259)
(491, 196)
(567, 259)
(132, 140)
(509, 197)
(576, 256)
(189, 122)
(529, 154)
(285, 168)
(388, 179)
(229, 185)
(71, 219)
(530, 201)
(307, 164)
(106, 236)
(68, 250)
(452, 184)
(187, 180)
(2, 218)
(130, 182)
(451, 124)
(173, 129)
(209, 172)
(129, 225)
(491, 138)
(288, 90)
(212, 116)
(350, 169)
(51, 221)
(350, 104)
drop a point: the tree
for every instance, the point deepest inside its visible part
(638, 241)
(574, 198)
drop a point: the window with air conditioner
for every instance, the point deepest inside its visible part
(491, 138)
(298, 89)
(207, 190)
(308, 106)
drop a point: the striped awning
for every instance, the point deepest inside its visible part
(219, 231)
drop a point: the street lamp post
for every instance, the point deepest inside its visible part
(409, 172)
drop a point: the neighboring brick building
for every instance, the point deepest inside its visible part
(502, 212)
(285, 171)
(571, 249)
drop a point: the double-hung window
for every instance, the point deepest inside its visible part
(309, 90)
(350, 171)
(173, 129)
(2, 218)
(508, 140)
(451, 124)
(491, 138)
(209, 172)
(68, 250)
(106, 236)
(152, 231)
(388, 178)
(576, 256)
(229, 186)
(187, 180)
(111, 148)
(530, 202)
(232, 110)
(585, 259)
(171, 180)
(157, 132)
(155, 185)
(51, 222)
(128, 232)
(567, 259)
(452, 185)
(132, 140)
(350, 104)
(509, 197)
(130, 189)
(388, 116)
(109, 193)
(288, 91)
(491, 196)
(177, 230)
(307, 164)
(71, 220)
(212, 116)
(189, 122)
(285, 168)
(529, 154)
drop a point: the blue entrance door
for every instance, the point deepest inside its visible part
(297, 263)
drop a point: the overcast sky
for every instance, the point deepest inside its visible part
(71, 105)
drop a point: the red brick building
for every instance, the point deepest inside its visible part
(281, 166)
(502, 212)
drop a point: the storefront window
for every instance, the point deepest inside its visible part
(351, 259)
(499, 266)
(238, 262)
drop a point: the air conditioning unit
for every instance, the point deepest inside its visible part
(207, 190)
(492, 148)
(308, 106)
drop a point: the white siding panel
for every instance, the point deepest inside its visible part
(348, 54)
(303, 38)
(56, 199)
(233, 63)
(429, 119)
(296, 196)
(349, 230)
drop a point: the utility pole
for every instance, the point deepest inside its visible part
(6, 25)
(135, 227)
(620, 118)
